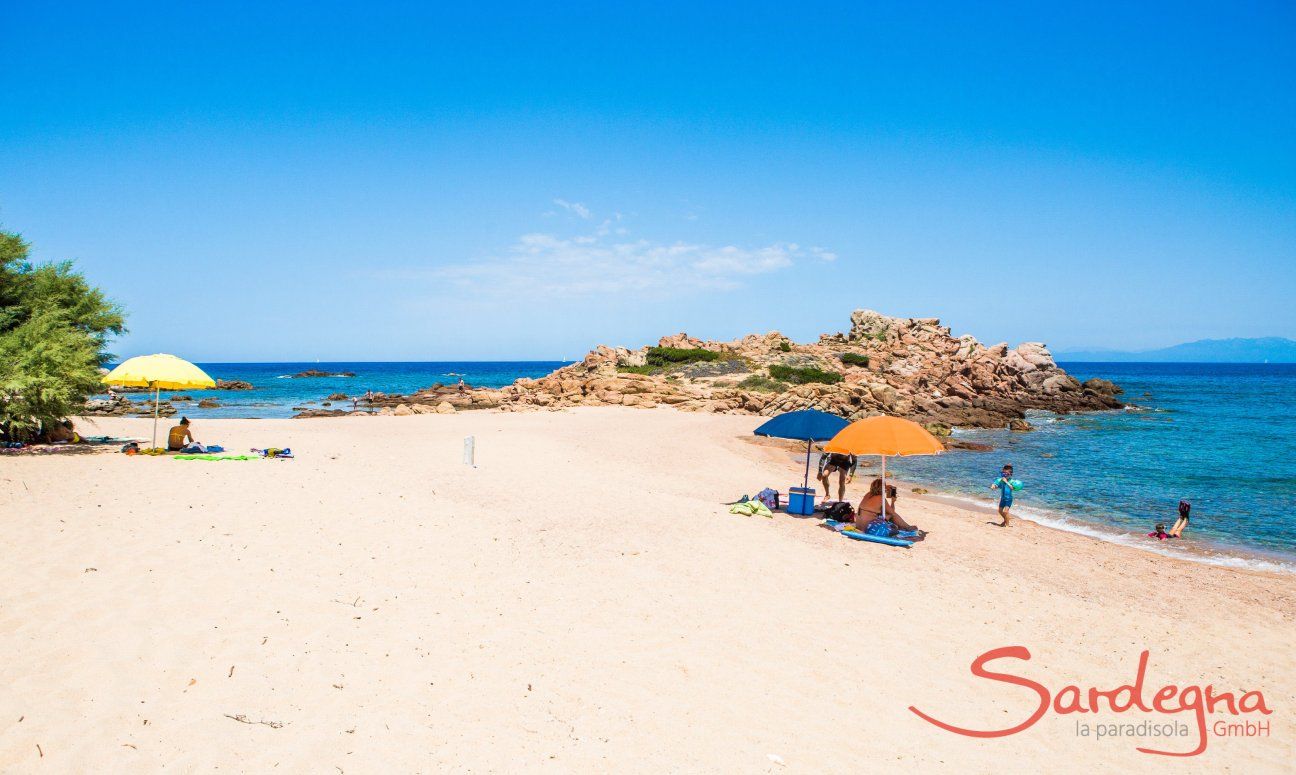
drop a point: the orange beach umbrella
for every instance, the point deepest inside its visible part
(885, 436)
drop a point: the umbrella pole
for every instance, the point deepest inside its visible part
(805, 483)
(884, 488)
(157, 392)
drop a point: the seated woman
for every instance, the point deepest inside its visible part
(871, 507)
(180, 436)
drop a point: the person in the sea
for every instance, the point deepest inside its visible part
(870, 507)
(1159, 533)
(1182, 522)
(844, 466)
(180, 436)
(1006, 484)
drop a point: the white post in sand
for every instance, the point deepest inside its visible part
(470, 451)
(157, 392)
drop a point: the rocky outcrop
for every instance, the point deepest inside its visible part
(915, 368)
(909, 367)
(124, 407)
(320, 413)
(233, 384)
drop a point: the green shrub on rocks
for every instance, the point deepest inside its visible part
(669, 356)
(762, 384)
(855, 359)
(802, 376)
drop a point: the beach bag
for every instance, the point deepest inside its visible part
(840, 511)
(880, 527)
(769, 497)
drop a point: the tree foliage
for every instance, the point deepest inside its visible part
(54, 327)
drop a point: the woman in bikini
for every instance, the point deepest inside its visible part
(871, 507)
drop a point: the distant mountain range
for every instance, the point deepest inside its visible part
(1273, 349)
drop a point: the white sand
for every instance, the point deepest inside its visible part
(580, 601)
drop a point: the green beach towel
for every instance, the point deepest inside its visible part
(751, 509)
(217, 457)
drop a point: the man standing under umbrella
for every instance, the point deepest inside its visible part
(844, 466)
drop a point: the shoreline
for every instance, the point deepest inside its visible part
(1198, 551)
(1195, 550)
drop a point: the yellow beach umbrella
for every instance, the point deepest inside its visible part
(158, 371)
(885, 436)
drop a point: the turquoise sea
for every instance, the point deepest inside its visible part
(1217, 435)
(276, 392)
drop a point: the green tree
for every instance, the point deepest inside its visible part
(54, 327)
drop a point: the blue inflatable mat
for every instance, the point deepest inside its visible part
(858, 536)
(840, 527)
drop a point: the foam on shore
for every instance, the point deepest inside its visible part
(1197, 550)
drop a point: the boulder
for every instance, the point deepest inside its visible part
(308, 413)
(681, 341)
(233, 384)
(445, 407)
(1036, 354)
(1102, 387)
(208, 403)
(403, 410)
(867, 324)
(1019, 425)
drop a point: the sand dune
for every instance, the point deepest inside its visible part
(581, 600)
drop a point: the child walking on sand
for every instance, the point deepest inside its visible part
(1006, 485)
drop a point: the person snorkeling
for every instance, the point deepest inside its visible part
(1185, 508)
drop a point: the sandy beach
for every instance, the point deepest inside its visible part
(580, 601)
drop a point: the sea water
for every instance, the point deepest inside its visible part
(1216, 435)
(277, 393)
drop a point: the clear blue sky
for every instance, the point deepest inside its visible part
(397, 181)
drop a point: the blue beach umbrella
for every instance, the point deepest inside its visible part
(808, 425)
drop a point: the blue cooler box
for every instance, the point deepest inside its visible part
(800, 500)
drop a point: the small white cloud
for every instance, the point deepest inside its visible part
(606, 261)
(576, 208)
